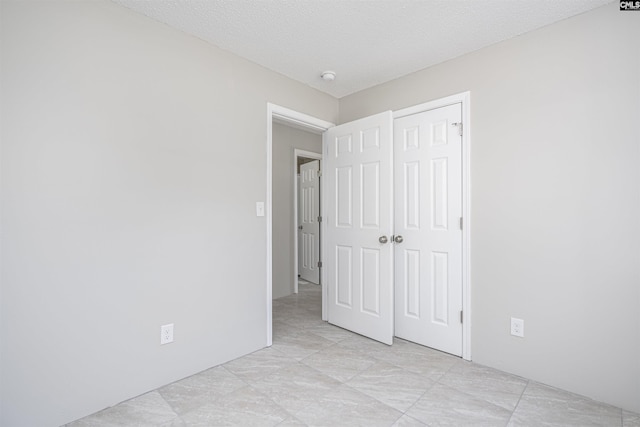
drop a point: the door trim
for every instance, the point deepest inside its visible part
(309, 155)
(463, 98)
(301, 121)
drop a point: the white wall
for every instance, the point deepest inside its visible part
(285, 140)
(132, 158)
(555, 198)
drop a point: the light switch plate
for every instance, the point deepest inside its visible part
(260, 208)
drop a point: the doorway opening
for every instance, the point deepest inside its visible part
(290, 118)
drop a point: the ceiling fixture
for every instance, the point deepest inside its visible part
(328, 76)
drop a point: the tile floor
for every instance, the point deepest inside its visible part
(318, 374)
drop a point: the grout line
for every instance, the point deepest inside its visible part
(518, 402)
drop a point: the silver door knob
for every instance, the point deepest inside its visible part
(398, 239)
(383, 239)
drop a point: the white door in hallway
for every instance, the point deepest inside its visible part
(299, 222)
(428, 210)
(359, 254)
(309, 225)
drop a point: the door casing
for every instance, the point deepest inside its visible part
(318, 126)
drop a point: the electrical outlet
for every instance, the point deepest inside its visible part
(166, 334)
(517, 327)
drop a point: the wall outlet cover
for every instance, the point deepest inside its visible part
(166, 334)
(517, 327)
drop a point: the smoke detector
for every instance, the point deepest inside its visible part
(328, 76)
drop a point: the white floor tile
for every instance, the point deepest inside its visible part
(318, 374)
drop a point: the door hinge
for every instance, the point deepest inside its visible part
(319, 219)
(460, 223)
(461, 317)
(319, 264)
(459, 125)
(319, 173)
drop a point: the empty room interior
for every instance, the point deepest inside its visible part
(150, 229)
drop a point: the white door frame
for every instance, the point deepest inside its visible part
(465, 99)
(301, 121)
(309, 155)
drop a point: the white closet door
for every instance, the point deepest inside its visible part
(428, 208)
(359, 254)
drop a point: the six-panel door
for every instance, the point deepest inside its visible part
(357, 176)
(423, 190)
(310, 229)
(428, 208)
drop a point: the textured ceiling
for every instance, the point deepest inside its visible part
(366, 42)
